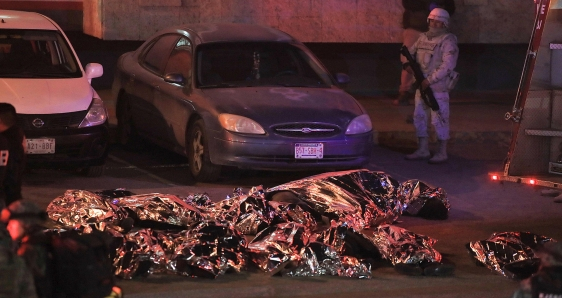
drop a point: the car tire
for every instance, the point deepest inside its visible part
(126, 132)
(94, 171)
(200, 165)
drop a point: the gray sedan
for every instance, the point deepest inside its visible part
(239, 95)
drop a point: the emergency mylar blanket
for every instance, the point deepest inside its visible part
(328, 224)
(511, 254)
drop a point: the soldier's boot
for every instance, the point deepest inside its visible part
(422, 152)
(402, 100)
(441, 154)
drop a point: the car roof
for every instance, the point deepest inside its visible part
(13, 19)
(232, 32)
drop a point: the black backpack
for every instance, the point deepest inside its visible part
(81, 264)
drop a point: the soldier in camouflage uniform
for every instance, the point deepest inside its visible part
(436, 52)
(414, 22)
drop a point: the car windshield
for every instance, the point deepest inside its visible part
(36, 54)
(251, 64)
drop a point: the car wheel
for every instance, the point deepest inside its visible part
(126, 132)
(94, 171)
(200, 164)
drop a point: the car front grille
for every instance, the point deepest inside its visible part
(50, 121)
(306, 130)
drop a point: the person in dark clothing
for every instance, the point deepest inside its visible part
(24, 221)
(547, 281)
(4, 157)
(16, 280)
(16, 162)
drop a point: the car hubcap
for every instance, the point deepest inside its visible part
(198, 151)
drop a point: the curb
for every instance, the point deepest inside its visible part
(409, 138)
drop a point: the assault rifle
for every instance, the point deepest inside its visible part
(427, 94)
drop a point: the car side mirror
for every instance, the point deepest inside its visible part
(175, 78)
(93, 70)
(342, 78)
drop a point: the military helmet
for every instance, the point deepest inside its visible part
(439, 14)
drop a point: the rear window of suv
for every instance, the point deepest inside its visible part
(36, 54)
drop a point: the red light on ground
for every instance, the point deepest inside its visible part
(532, 181)
(494, 177)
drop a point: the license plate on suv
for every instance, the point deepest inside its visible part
(41, 146)
(309, 150)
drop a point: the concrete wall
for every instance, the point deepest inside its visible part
(324, 21)
(67, 13)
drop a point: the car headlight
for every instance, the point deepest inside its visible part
(360, 124)
(240, 124)
(97, 114)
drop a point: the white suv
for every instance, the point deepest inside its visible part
(64, 119)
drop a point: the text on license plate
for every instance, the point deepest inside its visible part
(40, 146)
(309, 150)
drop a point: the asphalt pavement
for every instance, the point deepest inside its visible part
(479, 207)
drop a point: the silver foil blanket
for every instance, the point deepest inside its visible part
(207, 249)
(421, 199)
(401, 246)
(78, 208)
(362, 198)
(210, 249)
(159, 208)
(138, 254)
(250, 214)
(287, 249)
(324, 224)
(511, 254)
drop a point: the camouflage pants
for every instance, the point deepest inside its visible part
(439, 119)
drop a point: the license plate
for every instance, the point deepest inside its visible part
(40, 146)
(309, 150)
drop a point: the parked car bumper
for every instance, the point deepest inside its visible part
(73, 147)
(353, 152)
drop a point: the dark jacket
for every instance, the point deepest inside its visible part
(16, 163)
(34, 249)
(548, 280)
(4, 160)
